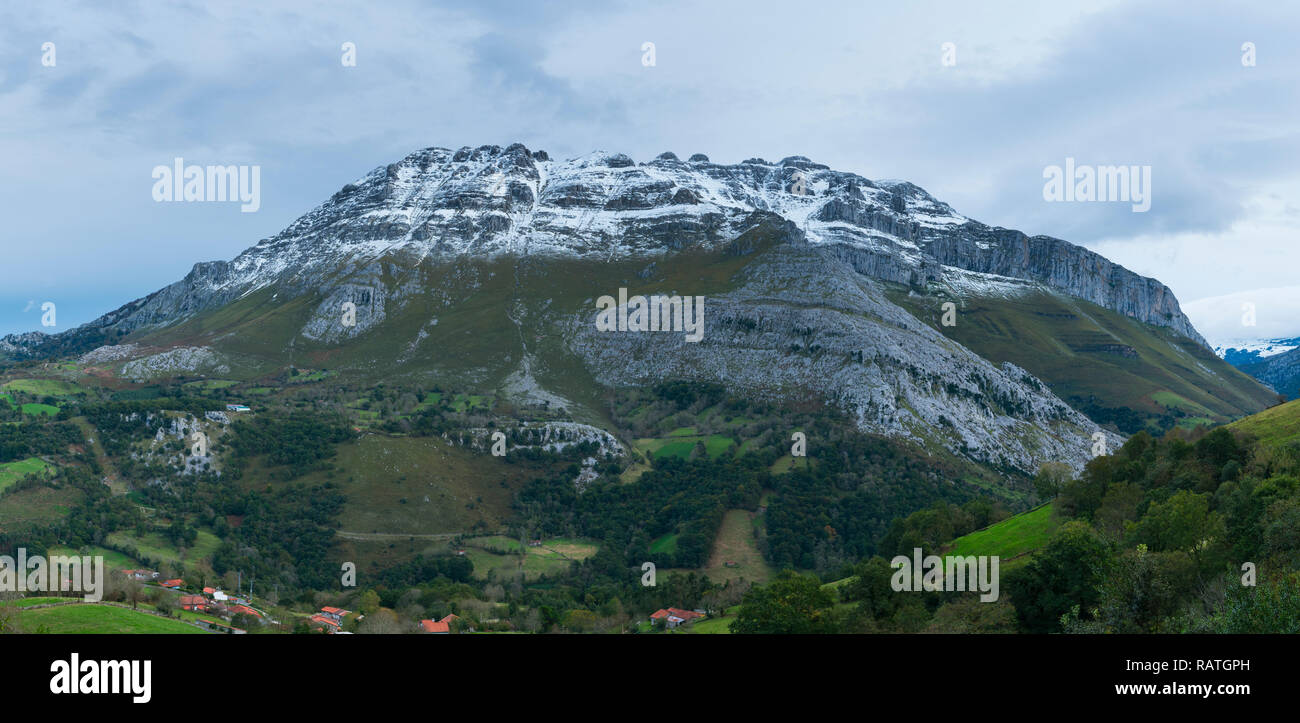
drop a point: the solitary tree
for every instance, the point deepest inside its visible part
(1051, 478)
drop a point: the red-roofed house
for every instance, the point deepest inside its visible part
(193, 602)
(335, 614)
(209, 590)
(236, 609)
(172, 583)
(672, 617)
(321, 621)
(435, 626)
(439, 626)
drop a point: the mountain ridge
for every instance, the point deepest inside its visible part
(489, 200)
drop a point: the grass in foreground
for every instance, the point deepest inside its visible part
(91, 618)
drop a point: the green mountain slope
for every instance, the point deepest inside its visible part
(1114, 369)
(1275, 426)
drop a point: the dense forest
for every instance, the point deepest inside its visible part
(35, 437)
(680, 497)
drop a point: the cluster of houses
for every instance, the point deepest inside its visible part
(330, 620)
(212, 601)
(216, 602)
(672, 617)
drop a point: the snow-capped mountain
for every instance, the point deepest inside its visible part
(440, 203)
(809, 253)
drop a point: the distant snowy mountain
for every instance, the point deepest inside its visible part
(1274, 362)
(1239, 352)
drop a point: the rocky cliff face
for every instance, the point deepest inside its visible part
(802, 325)
(1065, 267)
(439, 203)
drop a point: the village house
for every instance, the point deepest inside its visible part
(237, 609)
(441, 627)
(435, 626)
(195, 603)
(322, 622)
(335, 614)
(217, 597)
(329, 619)
(672, 617)
(173, 584)
(236, 408)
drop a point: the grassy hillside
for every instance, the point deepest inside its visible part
(44, 387)
(497, 557)
(34, 507)
(415, 485)
(91, 618)
(1110, 367)
(155, 546)
(113, 560)
(1011, 538)
(1273, 426)
(735, 552)
(11, 472)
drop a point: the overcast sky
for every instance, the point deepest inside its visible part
(860, 86)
